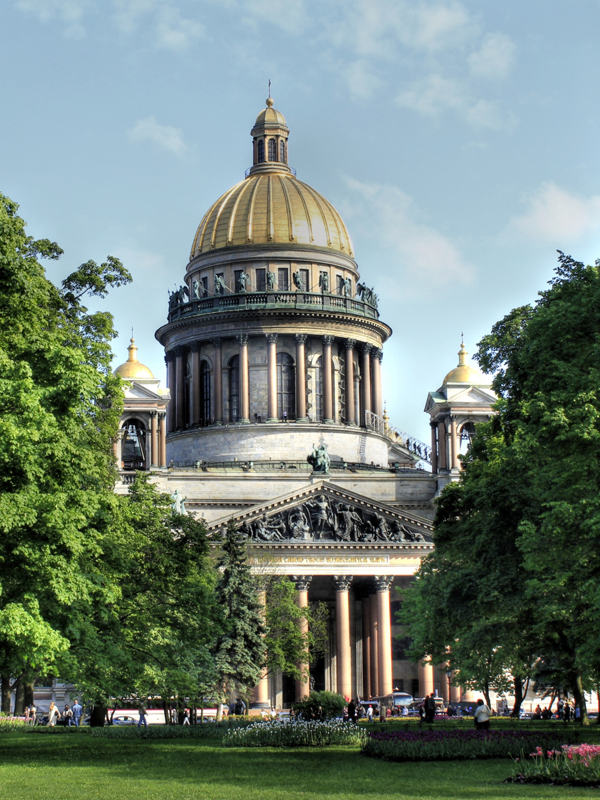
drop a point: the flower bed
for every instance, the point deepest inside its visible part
(436, 745)
(570, 765)
(295, 733)
(12, 724)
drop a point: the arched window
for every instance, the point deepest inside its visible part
(466, 434)
(205, 417)
(319, 389)
(133, 449)
(261, 151)
(272, 150)
(286, 387)
(234, 389)
(282, 151)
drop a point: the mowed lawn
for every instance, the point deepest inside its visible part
(46, 767)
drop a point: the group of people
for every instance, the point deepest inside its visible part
(71, 715)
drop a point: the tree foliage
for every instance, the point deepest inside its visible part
(518, 538)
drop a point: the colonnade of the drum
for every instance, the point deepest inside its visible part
(368, 357)
(445, 444)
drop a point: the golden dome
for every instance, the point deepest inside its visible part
(270, 115)
(271, 207)
(133, 368)
(465, 373)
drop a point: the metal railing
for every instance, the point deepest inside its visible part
(411, 443)
(273, 467)
(257, 300)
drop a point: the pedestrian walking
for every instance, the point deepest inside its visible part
(143, 714)
(352, 711)
(68, 715)
(482, 716)
(77, 711)
(53, 715)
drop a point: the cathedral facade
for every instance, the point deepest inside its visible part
(274, 417)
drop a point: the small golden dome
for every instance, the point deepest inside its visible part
(133, 368)
(272, 207)
(270, 115)
(465, 373)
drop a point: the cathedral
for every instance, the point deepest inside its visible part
(273, 417)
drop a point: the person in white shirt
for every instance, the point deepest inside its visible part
(482, 715)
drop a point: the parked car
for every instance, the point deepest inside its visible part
(125, 720)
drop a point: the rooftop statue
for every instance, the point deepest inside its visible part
(178, 504)
(319, 459)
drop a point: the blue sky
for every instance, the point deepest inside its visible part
(459, 140)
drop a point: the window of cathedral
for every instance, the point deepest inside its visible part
(133, 451)
(234, 389)
(237, 282)
(339, 284)
(283, 279)
(319, 389)
(261, 151)
(204, 282)
(286, 387)
(282, 151)
(205, 393)
(261, 279)
(272, 150)
(305, 278)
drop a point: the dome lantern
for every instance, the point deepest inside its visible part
(270, 141)
(464, 372)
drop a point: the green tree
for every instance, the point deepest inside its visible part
(59, 409)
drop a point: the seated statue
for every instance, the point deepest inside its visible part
(319, 459)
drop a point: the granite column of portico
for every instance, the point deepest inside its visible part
(350, 402)
(180, 387)
(261, 691)
(195, 410)
(384, 638)
(154, 454)
(366, 647)
(376, 358)
(271, 377)
(426, 678)
(301, 378)
(327, 380)
(218, 381)
(162, 421)
(343, 648)
(303, 683)
(443, 454)
(453, 443)
(244, 379)
(374, 646)
(434, 452)
(365, 383)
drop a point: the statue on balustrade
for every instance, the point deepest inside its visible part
(243, 279)
(367, 295)
(195, 290)
(219, 284)
(319, 459)
(299, 281)
(324, 282)
(270, 281)
(347, 287)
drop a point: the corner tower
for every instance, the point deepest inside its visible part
(273, 344)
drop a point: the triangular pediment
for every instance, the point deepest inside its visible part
(324, 513)
(138, 392)
(474, 394)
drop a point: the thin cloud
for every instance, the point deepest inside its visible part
(68, 12)
(423, 253)
(495, 58)
(164, 136)
(557, 216)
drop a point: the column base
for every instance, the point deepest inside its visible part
(327, 421)
(244, 421)
(217, 424)
(272, 419)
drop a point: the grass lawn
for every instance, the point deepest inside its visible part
(77, 766)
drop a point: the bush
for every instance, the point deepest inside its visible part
(572, 765)
(12, 724)
(435, 745)
(295, 733)
(320, 705)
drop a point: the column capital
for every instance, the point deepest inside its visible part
(242, 338)
(180, 350)
(302, 582)
(383, 583)
(217, 342)
(301, 338)
(342, 582)
(378, 354)
(162, 414)
(271, 338)
(366, 348)
(153, 414)
(350, 344)
(195, 347)
(328, 340)
(169, 356)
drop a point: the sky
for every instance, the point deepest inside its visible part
(459, 141)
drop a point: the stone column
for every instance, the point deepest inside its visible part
(162, 458)
(343, 650)
(455, 692)
(118, 448)
(154, 454)
(350, 402)
(384, 637)
(453, 444)
(366, 647)
(444, 683)
(171, 381)
(425, 678)
(261, 690)
(327, 380)
(443, 455)
(195, 405)
(434, 455)
(365, 383)
(180, 388)
(374, 647)
(244, 379)
(301, 378)
(377, 389)
(302, 583)
(218, 382)
(272, 377)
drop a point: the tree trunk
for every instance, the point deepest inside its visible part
(598, 695)
(28, 692)
(486, 692)
(98, 716)
(166, 712)
(19, 698)
(518, 698)
(578, 694)
(6, 694)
